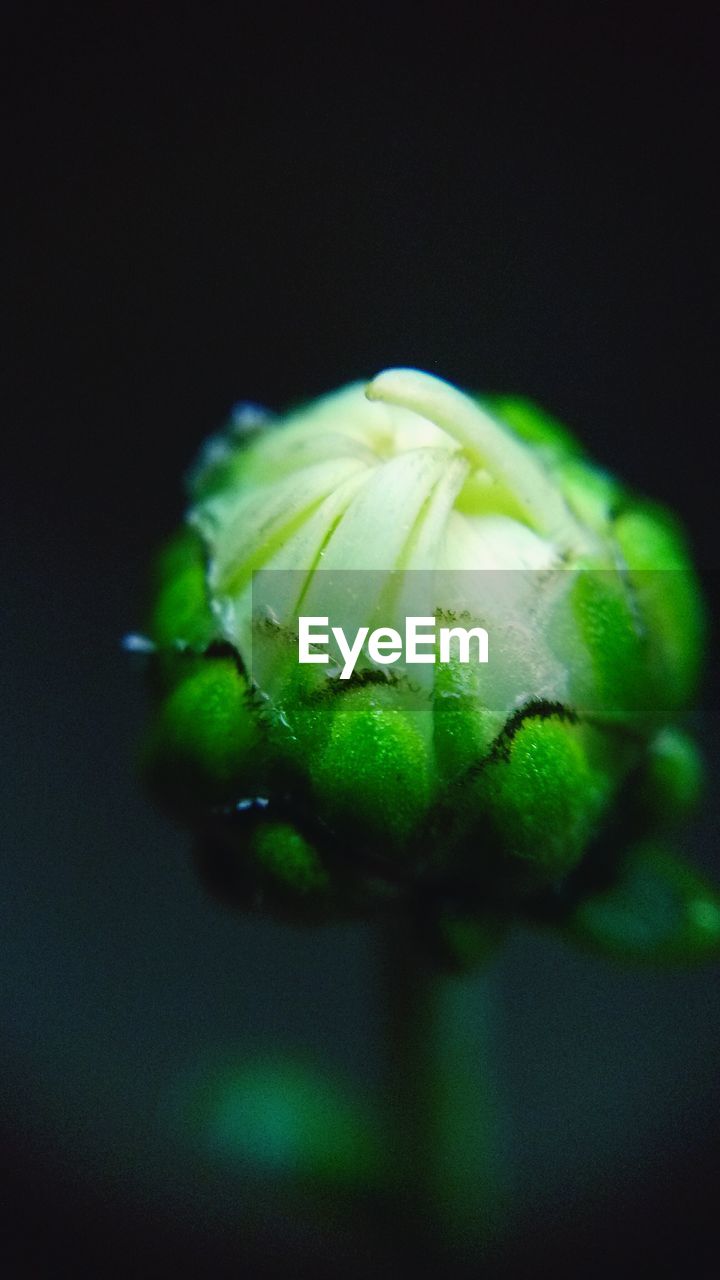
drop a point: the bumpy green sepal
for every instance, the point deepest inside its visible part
(205, 740)
(619, 691)
(181, 625)
(540, 799)
(372, 777)
(665, 587)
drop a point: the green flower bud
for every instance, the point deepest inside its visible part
(474, 787)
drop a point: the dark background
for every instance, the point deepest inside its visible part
(209, 206)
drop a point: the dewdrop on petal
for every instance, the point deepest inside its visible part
(454, 789)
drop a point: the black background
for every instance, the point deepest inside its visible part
(206, 206)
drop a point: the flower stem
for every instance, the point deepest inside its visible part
(442, 1114)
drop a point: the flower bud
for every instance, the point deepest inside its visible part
(335, 787)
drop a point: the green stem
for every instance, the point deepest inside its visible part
(442, 1116)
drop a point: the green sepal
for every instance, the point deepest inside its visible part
(533, 425)
(591, 493)
(464, 727)
(372, 777)
(668, 595)
(205, 746)
(288, 877)
(541, 797)
(669, 782)
(299, 718)
(658, 910)
(255, 861)
(619, 691)
(181, 624)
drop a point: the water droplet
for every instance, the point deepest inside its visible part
(134, 643)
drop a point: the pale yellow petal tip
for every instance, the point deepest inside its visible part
(395, 383)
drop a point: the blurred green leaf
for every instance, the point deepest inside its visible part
(658, 910)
